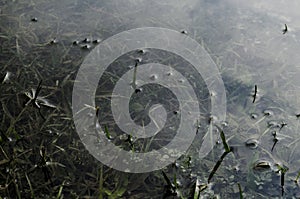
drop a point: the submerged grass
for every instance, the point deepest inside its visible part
(227, 151)
(41, 153)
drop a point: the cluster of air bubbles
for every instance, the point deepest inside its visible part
(86, 43)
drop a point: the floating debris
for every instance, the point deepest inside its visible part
(285, 29)
(33, 98)
(134, 84)
(255, 93)
(7, 77)
(36, 100)
(275, 140)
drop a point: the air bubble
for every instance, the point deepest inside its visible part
(254, 116)
(262, 165)
(54, 41)
(86, 40)
(169, 73)
(274, 124)
(138, 90)
(212, 118)
(130, 67)
(141, 51)
(213, 94)
(184, 32)
(86, 47)
(96, 41)
(268, 112)
(75, 43)
(34, 19)
(138, 60)
(175, 112)
(153, 77)
(252, 143)
(224, 124)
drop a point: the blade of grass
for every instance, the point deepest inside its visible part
(101, 183)
(217, 165)
(226, 146)
(106, 131)
(170, 185)
(297, 178)
(240, 190)
(60, 191)
(30, 186)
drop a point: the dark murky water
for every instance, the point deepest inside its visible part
(41, 153)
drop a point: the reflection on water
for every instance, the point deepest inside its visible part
(48, 40)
